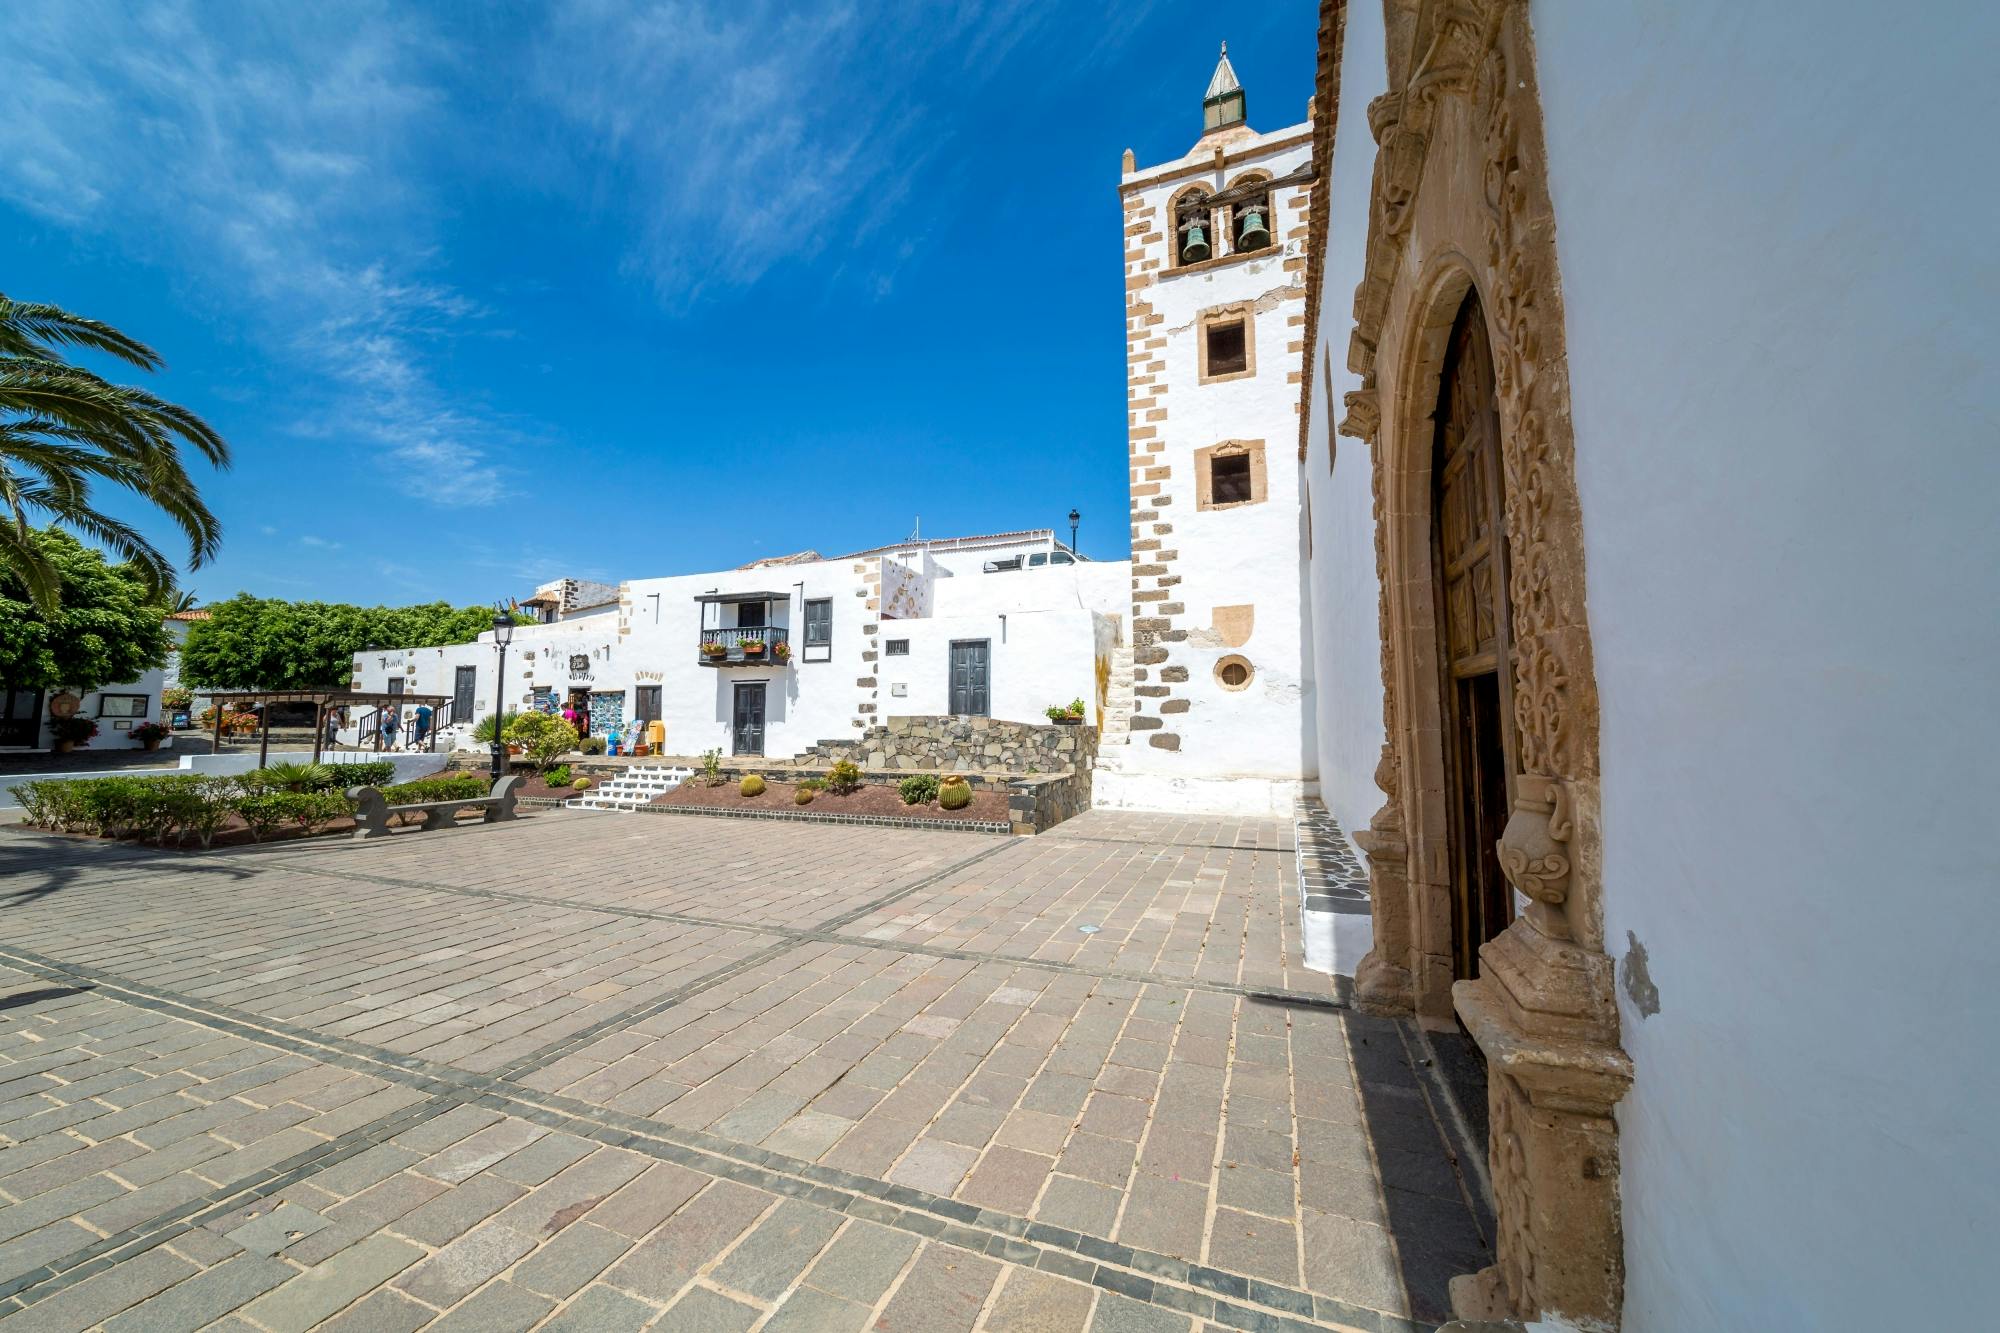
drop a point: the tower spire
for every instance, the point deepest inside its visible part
(1222, 104)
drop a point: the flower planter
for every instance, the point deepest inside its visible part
(64, 747)
(151, 745)
(1076, 721)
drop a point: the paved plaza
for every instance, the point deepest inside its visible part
(599, 1072)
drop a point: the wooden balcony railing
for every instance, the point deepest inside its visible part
(750, 646)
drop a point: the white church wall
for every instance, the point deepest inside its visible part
(1346, 636)
(1780, 291)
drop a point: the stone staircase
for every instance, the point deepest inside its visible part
(635, 787)
(1117, 725)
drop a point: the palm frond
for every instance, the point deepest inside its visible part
(26, 325)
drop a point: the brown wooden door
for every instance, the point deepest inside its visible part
(1471, 562)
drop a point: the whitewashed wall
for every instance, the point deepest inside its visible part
(653, 638)
(1337, 472)
(1775, 227)
(1234, 745)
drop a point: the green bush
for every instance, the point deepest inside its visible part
(489, 726)
(304, 810)
(751, 786)
(843, 778)
(918, 788)
(457, 787)
(372, 773)
(543, 738)
(593, 745)
(54, 805)
(812, 784)
(954, 793)
(295, 777)
(803, 795)
(206, 806)
(711, 767)
(558, 776)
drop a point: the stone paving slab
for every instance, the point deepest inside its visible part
(282, 1101)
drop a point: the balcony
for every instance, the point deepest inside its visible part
(757, 645)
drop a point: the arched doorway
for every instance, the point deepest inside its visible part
(1469, 560)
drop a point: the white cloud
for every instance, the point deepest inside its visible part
(276, 154)
(318, 543)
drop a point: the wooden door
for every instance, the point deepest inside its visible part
(748, 731)
(20, 716)
(1470, 557)
(462, 683)
(969, 677)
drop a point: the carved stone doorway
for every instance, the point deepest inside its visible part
(1475, 682)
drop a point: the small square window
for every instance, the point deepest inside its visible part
(122, 705)
(1229, 478)
(1228, 353)
(819, 623)
(896, 648)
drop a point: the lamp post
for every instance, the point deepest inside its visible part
(1074, 519)
(503, 634)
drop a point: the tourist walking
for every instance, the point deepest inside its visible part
(390, 724)
(420, 727)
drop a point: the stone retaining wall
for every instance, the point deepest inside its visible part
(946, 744)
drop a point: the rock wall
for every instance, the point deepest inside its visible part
(974, 743)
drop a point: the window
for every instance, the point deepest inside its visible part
(1227, 352)
(462, 682)
(896, 648)
(646, 703)
(819, 623)
(1229, 474)
(122, 705)
(395, 685)
(1233, 673)
(1229, 479)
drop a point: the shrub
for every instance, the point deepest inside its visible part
(455, 787)
(843, 777)
(207, 806)
(751, 786)
(559, 776)
(373, 773)
(54, 805)
(582, 784)
(954, 793)
(543, 737)
(812, 784)
(176, 697)
(918, 788)
(490, 725)
(305, 810)
(711, 767)
(594, 745)
(803, 795)
(150, 733)
(296, 777)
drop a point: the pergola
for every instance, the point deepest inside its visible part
(322, 701)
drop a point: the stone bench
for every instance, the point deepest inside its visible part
(372, 812)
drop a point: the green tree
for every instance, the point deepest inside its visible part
(262, 643)
(64, 428)
(104, 628)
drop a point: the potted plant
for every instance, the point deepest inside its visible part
(150, 734)
(751, 647)
(1065, 715)
(781, 651)
(70, 732)
(715, 648)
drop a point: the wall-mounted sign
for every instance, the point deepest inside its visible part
(579, 666)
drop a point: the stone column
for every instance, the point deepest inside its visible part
(1542, 1012)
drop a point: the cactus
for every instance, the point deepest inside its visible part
(803, 796)
(752, 786)
(954, 793)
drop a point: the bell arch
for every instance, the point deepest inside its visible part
(1188, 209)
(1250, 211)
(1459, 207)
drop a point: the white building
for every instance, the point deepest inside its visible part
(1665, 334)
(779, 654)
(25, 714)
(1214, 315)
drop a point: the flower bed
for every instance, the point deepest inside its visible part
(872, 800)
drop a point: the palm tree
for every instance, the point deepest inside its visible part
(182, 601)
(63, 427)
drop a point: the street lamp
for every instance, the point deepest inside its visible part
(1074, 519)
(503, 634)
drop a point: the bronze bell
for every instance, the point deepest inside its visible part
(1195, 248)
(1254, 234)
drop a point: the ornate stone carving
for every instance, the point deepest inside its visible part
(1460, 198)
(1534, 852)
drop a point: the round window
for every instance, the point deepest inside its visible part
(1233, 673)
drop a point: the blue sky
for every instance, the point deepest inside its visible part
(484, 295)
